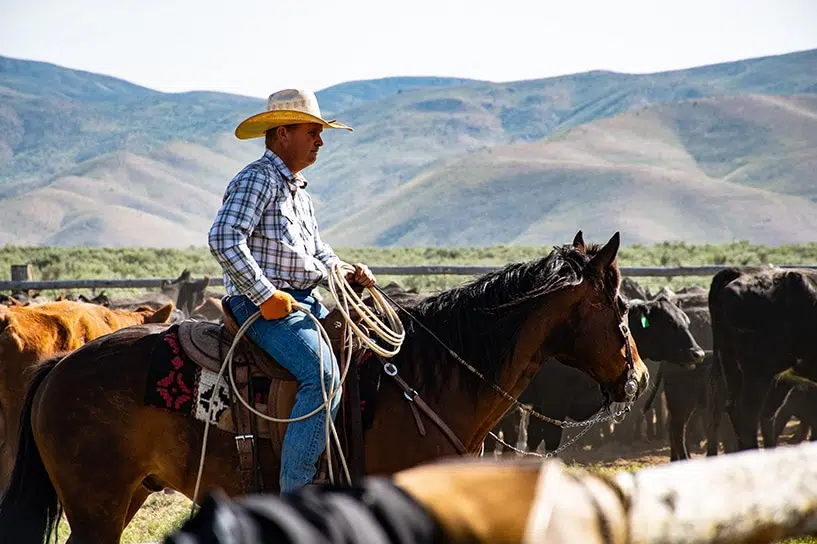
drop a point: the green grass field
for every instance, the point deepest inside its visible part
(52, 263)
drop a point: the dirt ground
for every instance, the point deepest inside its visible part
(612, 453)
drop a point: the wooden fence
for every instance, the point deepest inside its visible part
(146, 283)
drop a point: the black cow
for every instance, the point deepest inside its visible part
(700, 325)
(763, 322)
(686, 297)
(661, 333)
(630, 289)
(686, 388)
(687, 391)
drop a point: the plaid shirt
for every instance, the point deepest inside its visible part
(265, 236)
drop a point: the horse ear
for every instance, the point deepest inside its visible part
(578, 242)
(606, 255)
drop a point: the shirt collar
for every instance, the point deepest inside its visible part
(294, 181)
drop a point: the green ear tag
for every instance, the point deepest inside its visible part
(645, 323)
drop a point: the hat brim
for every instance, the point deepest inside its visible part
(257, 125)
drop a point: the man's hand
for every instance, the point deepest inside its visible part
(279, 305)
(361, 276)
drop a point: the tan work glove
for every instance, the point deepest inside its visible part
(278, 305)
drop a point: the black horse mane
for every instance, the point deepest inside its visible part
(481, 321)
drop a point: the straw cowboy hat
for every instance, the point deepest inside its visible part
(287, 107)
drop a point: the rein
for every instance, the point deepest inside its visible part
(630, 388)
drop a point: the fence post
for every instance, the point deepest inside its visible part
(22, 272)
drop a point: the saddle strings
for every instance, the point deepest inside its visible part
(346, 300)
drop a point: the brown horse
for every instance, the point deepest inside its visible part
(90, 445)
(31, 333)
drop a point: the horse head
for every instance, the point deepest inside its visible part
(595, 337)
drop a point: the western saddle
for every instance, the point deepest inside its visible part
(207, 344)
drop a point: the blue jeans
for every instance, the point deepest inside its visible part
(294, 343)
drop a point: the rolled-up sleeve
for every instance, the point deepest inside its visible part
(245, 201)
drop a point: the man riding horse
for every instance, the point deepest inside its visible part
(265, 237)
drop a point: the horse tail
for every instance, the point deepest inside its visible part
(30, 509)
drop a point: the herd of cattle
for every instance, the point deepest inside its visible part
(723, 360)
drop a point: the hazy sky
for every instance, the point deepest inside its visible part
(254, 47)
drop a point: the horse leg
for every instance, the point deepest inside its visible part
(136, 501)
(87, 525)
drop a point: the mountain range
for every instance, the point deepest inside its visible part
(709, 154)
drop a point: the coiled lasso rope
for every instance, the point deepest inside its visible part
(347, 301)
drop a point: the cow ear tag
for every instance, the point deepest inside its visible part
(645, 323)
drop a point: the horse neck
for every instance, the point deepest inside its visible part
(471, 418)
(539, 339)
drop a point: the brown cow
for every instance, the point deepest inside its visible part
(209, 310)
(31, 333)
